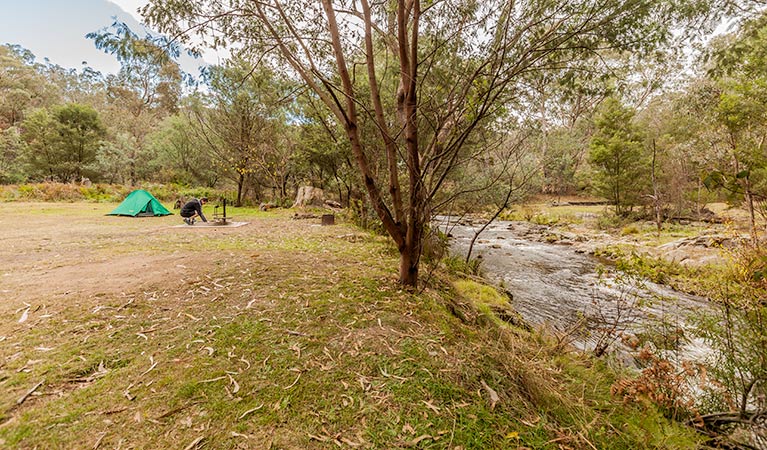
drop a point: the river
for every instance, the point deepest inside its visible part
(556, 286)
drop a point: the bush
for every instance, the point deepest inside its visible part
(457, 264)
(544, 219)
(435, 245)
(97, 193)
(610, 221)
(364, 217)
(629, 229)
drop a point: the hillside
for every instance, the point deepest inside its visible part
(282, 334)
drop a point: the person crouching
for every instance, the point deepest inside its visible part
(192, 209)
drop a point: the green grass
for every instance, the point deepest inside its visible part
(287, 334)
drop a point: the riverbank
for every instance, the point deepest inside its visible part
(548, 264)
(590, 227)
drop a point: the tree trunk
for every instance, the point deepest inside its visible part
(240, 183)
(656, 195)
(752, 217)
(410, 255)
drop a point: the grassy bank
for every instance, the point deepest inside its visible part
(135, 333)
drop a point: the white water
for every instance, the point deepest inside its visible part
(554, 285)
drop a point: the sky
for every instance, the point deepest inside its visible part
(56, 29)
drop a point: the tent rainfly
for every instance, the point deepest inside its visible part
(140, 203)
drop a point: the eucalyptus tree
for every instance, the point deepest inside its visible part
(740, 111)
(324, 158)
(144, 91)
(183, 157)
(22, 87)
(241, 120)
(451, 67)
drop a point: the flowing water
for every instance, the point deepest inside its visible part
(554, 285)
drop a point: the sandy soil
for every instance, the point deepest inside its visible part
(54, 252)
(48, 255)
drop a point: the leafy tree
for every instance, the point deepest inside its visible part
(145, 90)
(113, 157)
(324, 157)
(182, 158)
(616, 152)
(11, 151)
(241, 121)
(87, 86)
(21, 86)
(425, 76)
(740, 111)
(62, 146)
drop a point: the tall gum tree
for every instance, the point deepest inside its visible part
(427, 74)
(144, 91)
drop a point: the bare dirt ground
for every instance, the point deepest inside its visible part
(50, 254)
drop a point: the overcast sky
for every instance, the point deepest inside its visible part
(56, 29)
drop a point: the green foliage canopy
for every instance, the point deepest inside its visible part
(63, 145)
(617, 154)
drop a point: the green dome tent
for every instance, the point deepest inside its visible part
(140, 203)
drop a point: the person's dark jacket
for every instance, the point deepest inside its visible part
(191, 207)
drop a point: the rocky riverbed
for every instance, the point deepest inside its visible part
(555, 281)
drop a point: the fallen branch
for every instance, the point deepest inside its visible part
(724, 418)
(24, 397)
(715, 424)
(243, 415)
(194, 443)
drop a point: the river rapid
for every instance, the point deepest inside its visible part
(557, 286)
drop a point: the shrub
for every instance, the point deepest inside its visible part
(457, 264)
(669, 386)
(609, 221)
(629, 229)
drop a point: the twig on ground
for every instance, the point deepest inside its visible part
(98, 441)
(297, 333)
(174, 411)
(24, 397)
(294, 382)
(587, 441)
(243, 415)
(194, 443)
(154, 364)
(223, 377)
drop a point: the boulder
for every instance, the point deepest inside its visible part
(309, 196)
